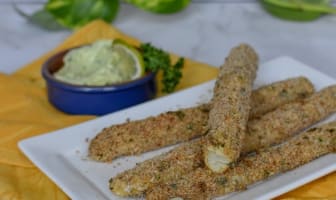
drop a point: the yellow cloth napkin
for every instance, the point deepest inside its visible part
(25, 112)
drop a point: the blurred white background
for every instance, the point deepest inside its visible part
(205, 31)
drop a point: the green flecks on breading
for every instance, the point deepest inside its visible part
(331, 130)
(168, 127)
(243, 90)
(303, 95)
(232, 164)
(266, 173)
(284, 93)
(163, 165)
(157, 177)
(205, 109)
(221, 181)
(312, 129)
(240, 77)
(189, 126)
(173, 185)
(283, 164)
(180, 114)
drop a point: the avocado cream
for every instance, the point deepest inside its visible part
(98, 64)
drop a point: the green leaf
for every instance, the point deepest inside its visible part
(41, 18)
(160, 6)
(76, 13)
(300, 10)
(158, 60)
(172, 76)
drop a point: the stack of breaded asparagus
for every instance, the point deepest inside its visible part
(240, 137)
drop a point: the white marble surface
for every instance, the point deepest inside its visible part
(204, 32)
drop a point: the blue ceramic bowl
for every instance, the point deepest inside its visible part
(94, 100)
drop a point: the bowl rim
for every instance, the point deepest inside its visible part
(50, 79)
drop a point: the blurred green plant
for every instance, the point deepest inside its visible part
(298, 10)
(160, 6)
(76, 13)
(60, 14)
(41, 18)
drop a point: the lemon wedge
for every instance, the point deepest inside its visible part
(131, 55)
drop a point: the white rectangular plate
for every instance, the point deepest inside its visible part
(62, 155)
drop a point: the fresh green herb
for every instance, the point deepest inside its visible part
(172, 76)
(158, 60)
(76, 13)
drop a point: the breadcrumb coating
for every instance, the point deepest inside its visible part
(272, 128)
(230, 108)
(204, 184)
(172, 127)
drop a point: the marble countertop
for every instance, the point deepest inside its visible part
(205, 31)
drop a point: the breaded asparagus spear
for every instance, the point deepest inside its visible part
(291, 117)
(272, 128)
(172, 127)
(230, 108)
(151, 133)
(269, 97)
(204, 184)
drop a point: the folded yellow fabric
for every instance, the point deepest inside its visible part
(25, 112)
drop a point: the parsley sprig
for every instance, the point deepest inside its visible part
(158, 60)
